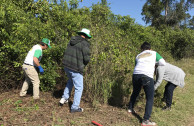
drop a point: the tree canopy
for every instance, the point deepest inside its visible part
(167, 12)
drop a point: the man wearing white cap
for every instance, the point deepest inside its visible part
(31, 62)
(76, 57)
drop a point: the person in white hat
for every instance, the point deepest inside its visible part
(76, 57)
(30, 64)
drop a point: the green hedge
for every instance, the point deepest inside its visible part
(115, 43)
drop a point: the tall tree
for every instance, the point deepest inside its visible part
(167, 5)
(191, 23)
(104, 2)
(174, 11)
(74, 4)
(177, 14)
(152, 12)
(190, 4)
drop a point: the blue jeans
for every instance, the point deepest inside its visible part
(168, 93)
(139, 81)
(76, 80)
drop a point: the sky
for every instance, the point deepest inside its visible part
(122, 7)
(133, 8)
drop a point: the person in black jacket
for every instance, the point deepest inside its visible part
(76, 57)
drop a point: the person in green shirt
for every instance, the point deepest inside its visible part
(29, 66)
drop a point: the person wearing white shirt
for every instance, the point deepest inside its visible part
(143, 77)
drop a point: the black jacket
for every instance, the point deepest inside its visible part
(77, 54)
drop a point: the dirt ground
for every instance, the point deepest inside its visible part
(192, 122)
(24, 111)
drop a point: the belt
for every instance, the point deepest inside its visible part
(28, 64)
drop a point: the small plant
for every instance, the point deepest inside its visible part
(25, 120)
(5, 101)
(59, 120)
(36, 107)
(18, 103)
(72, 122)
(19, 107)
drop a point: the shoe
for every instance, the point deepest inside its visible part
(166, 108)
(148, 123)
(63, 101)
(36, 98)
(77, 110)
(23, 95)
(131, 111)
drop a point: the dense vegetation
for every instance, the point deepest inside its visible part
(115, 43)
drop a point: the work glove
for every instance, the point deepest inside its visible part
(40, 70)
(155, 87)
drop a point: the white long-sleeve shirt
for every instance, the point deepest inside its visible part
(171, 74)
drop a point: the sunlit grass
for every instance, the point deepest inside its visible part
(183, 101)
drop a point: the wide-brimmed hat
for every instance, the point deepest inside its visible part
(46, 41)
(85, 31)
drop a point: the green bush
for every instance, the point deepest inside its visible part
(115, 43)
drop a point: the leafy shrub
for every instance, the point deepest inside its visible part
(115, 43)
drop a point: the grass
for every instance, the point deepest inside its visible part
(183, 102)
(182, 111)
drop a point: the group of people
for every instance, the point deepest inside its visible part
(146, 63)
(77, 56)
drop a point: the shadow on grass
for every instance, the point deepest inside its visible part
(159, 100)
(58, 93)
(116, 98)
(30, 90)
(119, 93)
(69, 104)
(138, 117)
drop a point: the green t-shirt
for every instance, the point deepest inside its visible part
(35, 51)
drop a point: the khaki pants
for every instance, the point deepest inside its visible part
(31, 76)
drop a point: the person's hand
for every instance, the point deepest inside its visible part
(155, 87)
(40, 70)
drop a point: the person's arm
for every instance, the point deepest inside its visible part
(36, 61)
(86, 54)
(160, 61)
(37, 54)
(159, 76)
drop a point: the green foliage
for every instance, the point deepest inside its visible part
(74, 4)
(191, 23)
(152, 12)
(115, 43)
(20, 108)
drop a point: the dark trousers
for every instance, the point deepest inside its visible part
(168, 93)
(139, 81)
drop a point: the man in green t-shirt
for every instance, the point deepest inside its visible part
(30, 64)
